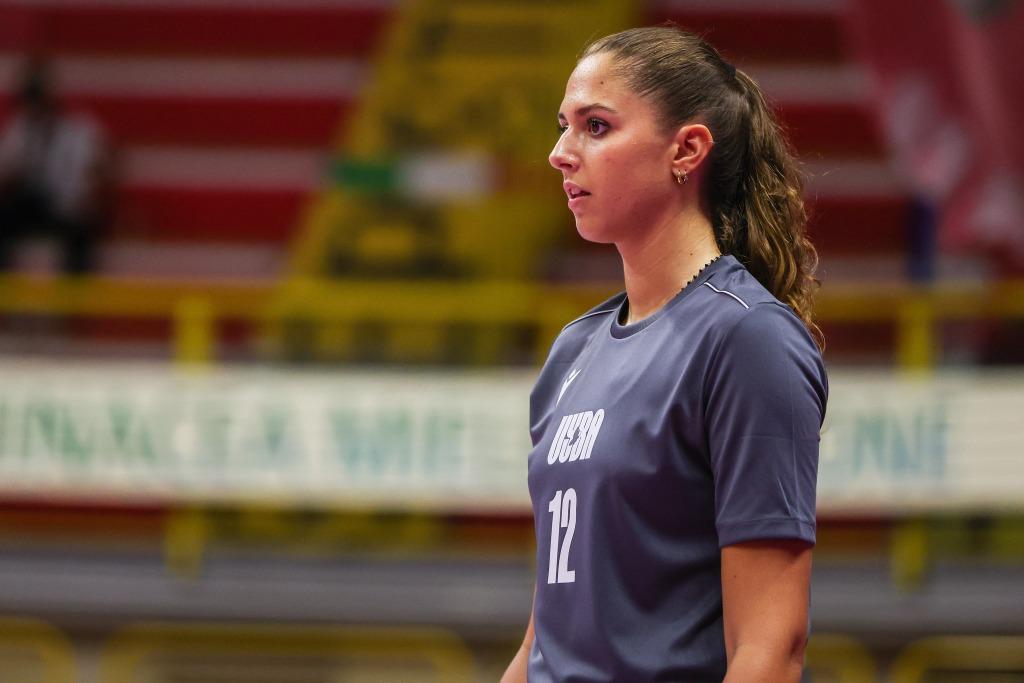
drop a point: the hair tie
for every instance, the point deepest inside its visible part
(729, 69)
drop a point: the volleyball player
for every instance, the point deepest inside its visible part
(676, 425)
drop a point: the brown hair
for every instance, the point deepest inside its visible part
(754, 190)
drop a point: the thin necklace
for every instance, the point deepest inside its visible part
(697, 274)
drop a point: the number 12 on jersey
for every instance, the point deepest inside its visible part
(563, 516)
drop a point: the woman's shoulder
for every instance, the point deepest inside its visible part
(737, 310)
(597, 313)
(578, 332)
(753, 333)
(731, 294)
(733, 291)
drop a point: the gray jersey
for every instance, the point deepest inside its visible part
(656, 444)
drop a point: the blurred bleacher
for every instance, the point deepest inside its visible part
(343, 208)
(222, 114)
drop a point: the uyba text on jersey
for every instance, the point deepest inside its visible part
(575, 437)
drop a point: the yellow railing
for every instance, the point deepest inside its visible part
(835, 658)
(966, 655)
(32, 650)
(196, 307)
(916, 309)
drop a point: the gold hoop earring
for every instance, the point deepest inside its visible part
(680, 176)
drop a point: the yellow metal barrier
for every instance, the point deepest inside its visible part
(909, 553)
(967, 655)
(32, 651)
(128, 297)
(834, 658)
(185, 542)
(196, 307)
(224, 652)
(194, 330)
(916, 339)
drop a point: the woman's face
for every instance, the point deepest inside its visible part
(613, 149)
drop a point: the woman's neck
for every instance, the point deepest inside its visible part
(660, 263)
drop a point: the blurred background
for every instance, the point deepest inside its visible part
(278, 276)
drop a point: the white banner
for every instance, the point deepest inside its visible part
(448, 441)
(947, 441)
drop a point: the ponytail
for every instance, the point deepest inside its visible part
(754, 190)
(764, 223)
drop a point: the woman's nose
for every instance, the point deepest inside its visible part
(561, 157)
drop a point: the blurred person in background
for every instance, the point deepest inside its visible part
(54, 175)
(676, 425)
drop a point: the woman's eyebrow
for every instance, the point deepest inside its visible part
(590, 107)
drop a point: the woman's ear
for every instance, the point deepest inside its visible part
(692, 144)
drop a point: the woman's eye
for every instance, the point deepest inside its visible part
(594, 127)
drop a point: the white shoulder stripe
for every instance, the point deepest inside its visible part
(722, 291)
(593, 313)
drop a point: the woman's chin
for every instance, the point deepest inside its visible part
(592, 231)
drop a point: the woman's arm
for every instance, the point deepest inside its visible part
(765, 593)
(516, 671)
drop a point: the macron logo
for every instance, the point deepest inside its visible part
(565, 385)
(575, 437)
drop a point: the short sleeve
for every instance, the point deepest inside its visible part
(766, 393)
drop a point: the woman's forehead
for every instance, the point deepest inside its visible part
(594, 80)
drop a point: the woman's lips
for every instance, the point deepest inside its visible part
(577, 200)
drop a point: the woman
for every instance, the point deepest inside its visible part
(675, 426)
